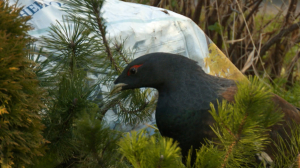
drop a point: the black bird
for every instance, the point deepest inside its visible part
(185, 93)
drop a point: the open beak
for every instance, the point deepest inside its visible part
(117, 88)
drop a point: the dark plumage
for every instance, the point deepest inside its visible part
(185, 93)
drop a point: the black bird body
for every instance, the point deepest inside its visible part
(185, 94)
(182, 107)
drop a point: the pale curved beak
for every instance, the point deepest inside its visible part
(117, 88)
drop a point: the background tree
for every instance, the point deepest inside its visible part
(21, 98)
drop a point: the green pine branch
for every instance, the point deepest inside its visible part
(288, 150)
(143, 151)
(241, 127)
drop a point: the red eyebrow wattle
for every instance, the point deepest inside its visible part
(134, 66)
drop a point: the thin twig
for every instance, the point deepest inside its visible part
(290, 68)
(197, 13)
(290, 12)
(221, 31)
(239, 32)
(278, 37)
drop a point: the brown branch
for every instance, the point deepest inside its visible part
(223, 24)
(234, 142)
(184, 7)
(189, 9)
(245, 7)
(119, 48)
(251, 4)
(239, 32)
(230, 132)
(297, 15)
(124, 58)
(109, 106)
(278, 37)
(290, 68)
(226, 17)
(155, 3)
(241, 126)
(276, 59)
(207, 17)
(297, 41)
(290, 12)
(101, 27)
(197, 14)
(227, 154)
(211, 17)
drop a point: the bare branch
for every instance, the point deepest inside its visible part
(197, 14)
(239, 32)
(290, 12)
(278, 37)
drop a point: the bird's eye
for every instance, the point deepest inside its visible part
(133, 71)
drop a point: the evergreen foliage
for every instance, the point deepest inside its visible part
(144, 151)
(241, 127)
(289, 150)
(20, 94)
(290, 94)
(98, 148)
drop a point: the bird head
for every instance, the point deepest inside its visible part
(141, 72)
(155, 70)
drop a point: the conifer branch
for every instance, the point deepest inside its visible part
(101, 27)
(228, 153)
(233, 144)
(72, 46)
(124, 58)
(141, 108)
(241, 126)
(95, 155)
(230, 132)
(119, 50)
